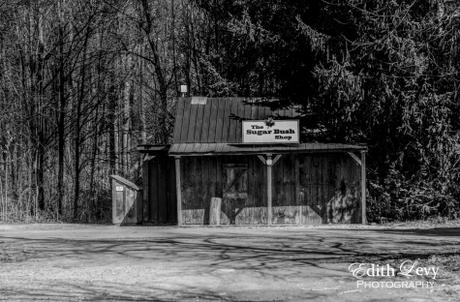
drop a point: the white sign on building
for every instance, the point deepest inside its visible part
(276, 131)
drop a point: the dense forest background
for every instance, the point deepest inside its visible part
(83, 82)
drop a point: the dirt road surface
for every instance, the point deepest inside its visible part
(63, 262)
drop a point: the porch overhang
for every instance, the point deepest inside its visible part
(213, 149)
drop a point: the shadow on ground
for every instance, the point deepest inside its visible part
(425, 232)
(265, 254)
(242, 249)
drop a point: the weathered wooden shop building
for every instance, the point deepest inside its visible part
(236, 161)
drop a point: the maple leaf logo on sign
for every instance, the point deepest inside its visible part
(271, 131)
(269, 122)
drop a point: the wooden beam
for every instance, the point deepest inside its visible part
(262, 159)
(363, 187)
(269, 189)
(277, 158)
(178, 191)
(355, 158)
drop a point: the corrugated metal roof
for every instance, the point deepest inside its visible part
(224, 148)
(218, 120)
(209, 126)
(125, 182)
(146, 148)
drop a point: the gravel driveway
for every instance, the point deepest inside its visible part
(64, 262)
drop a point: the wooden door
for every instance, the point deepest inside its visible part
(235, 191)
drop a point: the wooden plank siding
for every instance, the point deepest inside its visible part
(312, 183)
(308, 189)
(159, 196)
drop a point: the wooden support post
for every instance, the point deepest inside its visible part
(269, 188)
(297, 190)
(214, 211)
(363, 187)
(178, 192)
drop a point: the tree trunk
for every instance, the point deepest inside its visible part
(77, 141)
(61, 123)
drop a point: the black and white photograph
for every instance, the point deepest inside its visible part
(214, 150)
